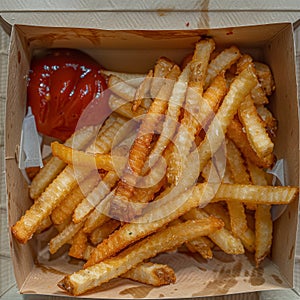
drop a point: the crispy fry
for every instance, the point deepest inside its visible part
(257, 93)
(269, 120)
(255, 129)
(161, 69)
(78, 140)
(95, 196)
(102, 232)
(240, 87)
(134, 79)
(79, 245)
(94, 276)
(142, 91)
(140, 150)
(223, 237)
(69, 203)
(151, 273)
(256, 194)
(219, 211)
(64, 236)
(193, 117)
(153, 220)
(263, 231)
(124, 108)
(236, 134)
(222, 62)
(201, 246)
(265, 77)
(121, 88)
(44, 205)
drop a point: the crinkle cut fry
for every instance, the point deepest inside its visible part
(119, 206)
(236, 134)
(151, 273)
(24, 229)
(173, 236)
(191, 122)
(222, 62)
(255, 128)
(78, 140)
(147, 224)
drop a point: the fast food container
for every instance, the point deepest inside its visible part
(37, 272)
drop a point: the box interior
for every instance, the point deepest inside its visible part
(137, 51)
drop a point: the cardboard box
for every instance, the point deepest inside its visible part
(136, 51)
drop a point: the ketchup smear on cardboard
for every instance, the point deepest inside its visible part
(62, 83)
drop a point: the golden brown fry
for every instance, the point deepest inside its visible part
(87, 279)
(124, 108)
(269, 120)
(142, 91)
(220, 63)
(44, 205)
(223, 237)
(254, 194)
(64, 236)
(156, 218)
(79, 245)
(263, 232)
(85, 159)
(78, 140)
(133, 79)
(236, 134)
(214, 138)
(151, 273)
(193, 117)
(257, 93)
(219, 211)
(162, 67)
(102, 232)
(69, 203)
(120, 207)
(95, 196)
(201, 246)
(121, 88)
(255, 129)
(265, 77)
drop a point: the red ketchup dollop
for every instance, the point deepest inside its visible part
(61, 84)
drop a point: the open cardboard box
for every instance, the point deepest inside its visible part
(136, 51)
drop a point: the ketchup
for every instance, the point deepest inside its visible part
(62, 83)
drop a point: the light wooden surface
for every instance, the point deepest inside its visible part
(165, 14)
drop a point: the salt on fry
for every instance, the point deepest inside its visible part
(89, 278)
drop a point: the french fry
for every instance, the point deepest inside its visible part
(46, 175)
(151, 273)
(222, 237)
(124, 108)
(162, 68)
(220, 63)
(87, 279)
(236, 134)
(95, 196)
(24, 229)
(194, 103)
(142, 91)
(134, 79)
(219, 211)
(265, 77)
(121, 88)
(200, 245)
(64, 236)
(151, 221)
(140, 150)
(254, 194)
(79, 245)
(70, 202)
(269, 120)
(102, 232)
(255, 129)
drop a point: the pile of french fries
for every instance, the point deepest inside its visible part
(189, 169)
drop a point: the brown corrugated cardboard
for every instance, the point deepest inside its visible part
(117, 50)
